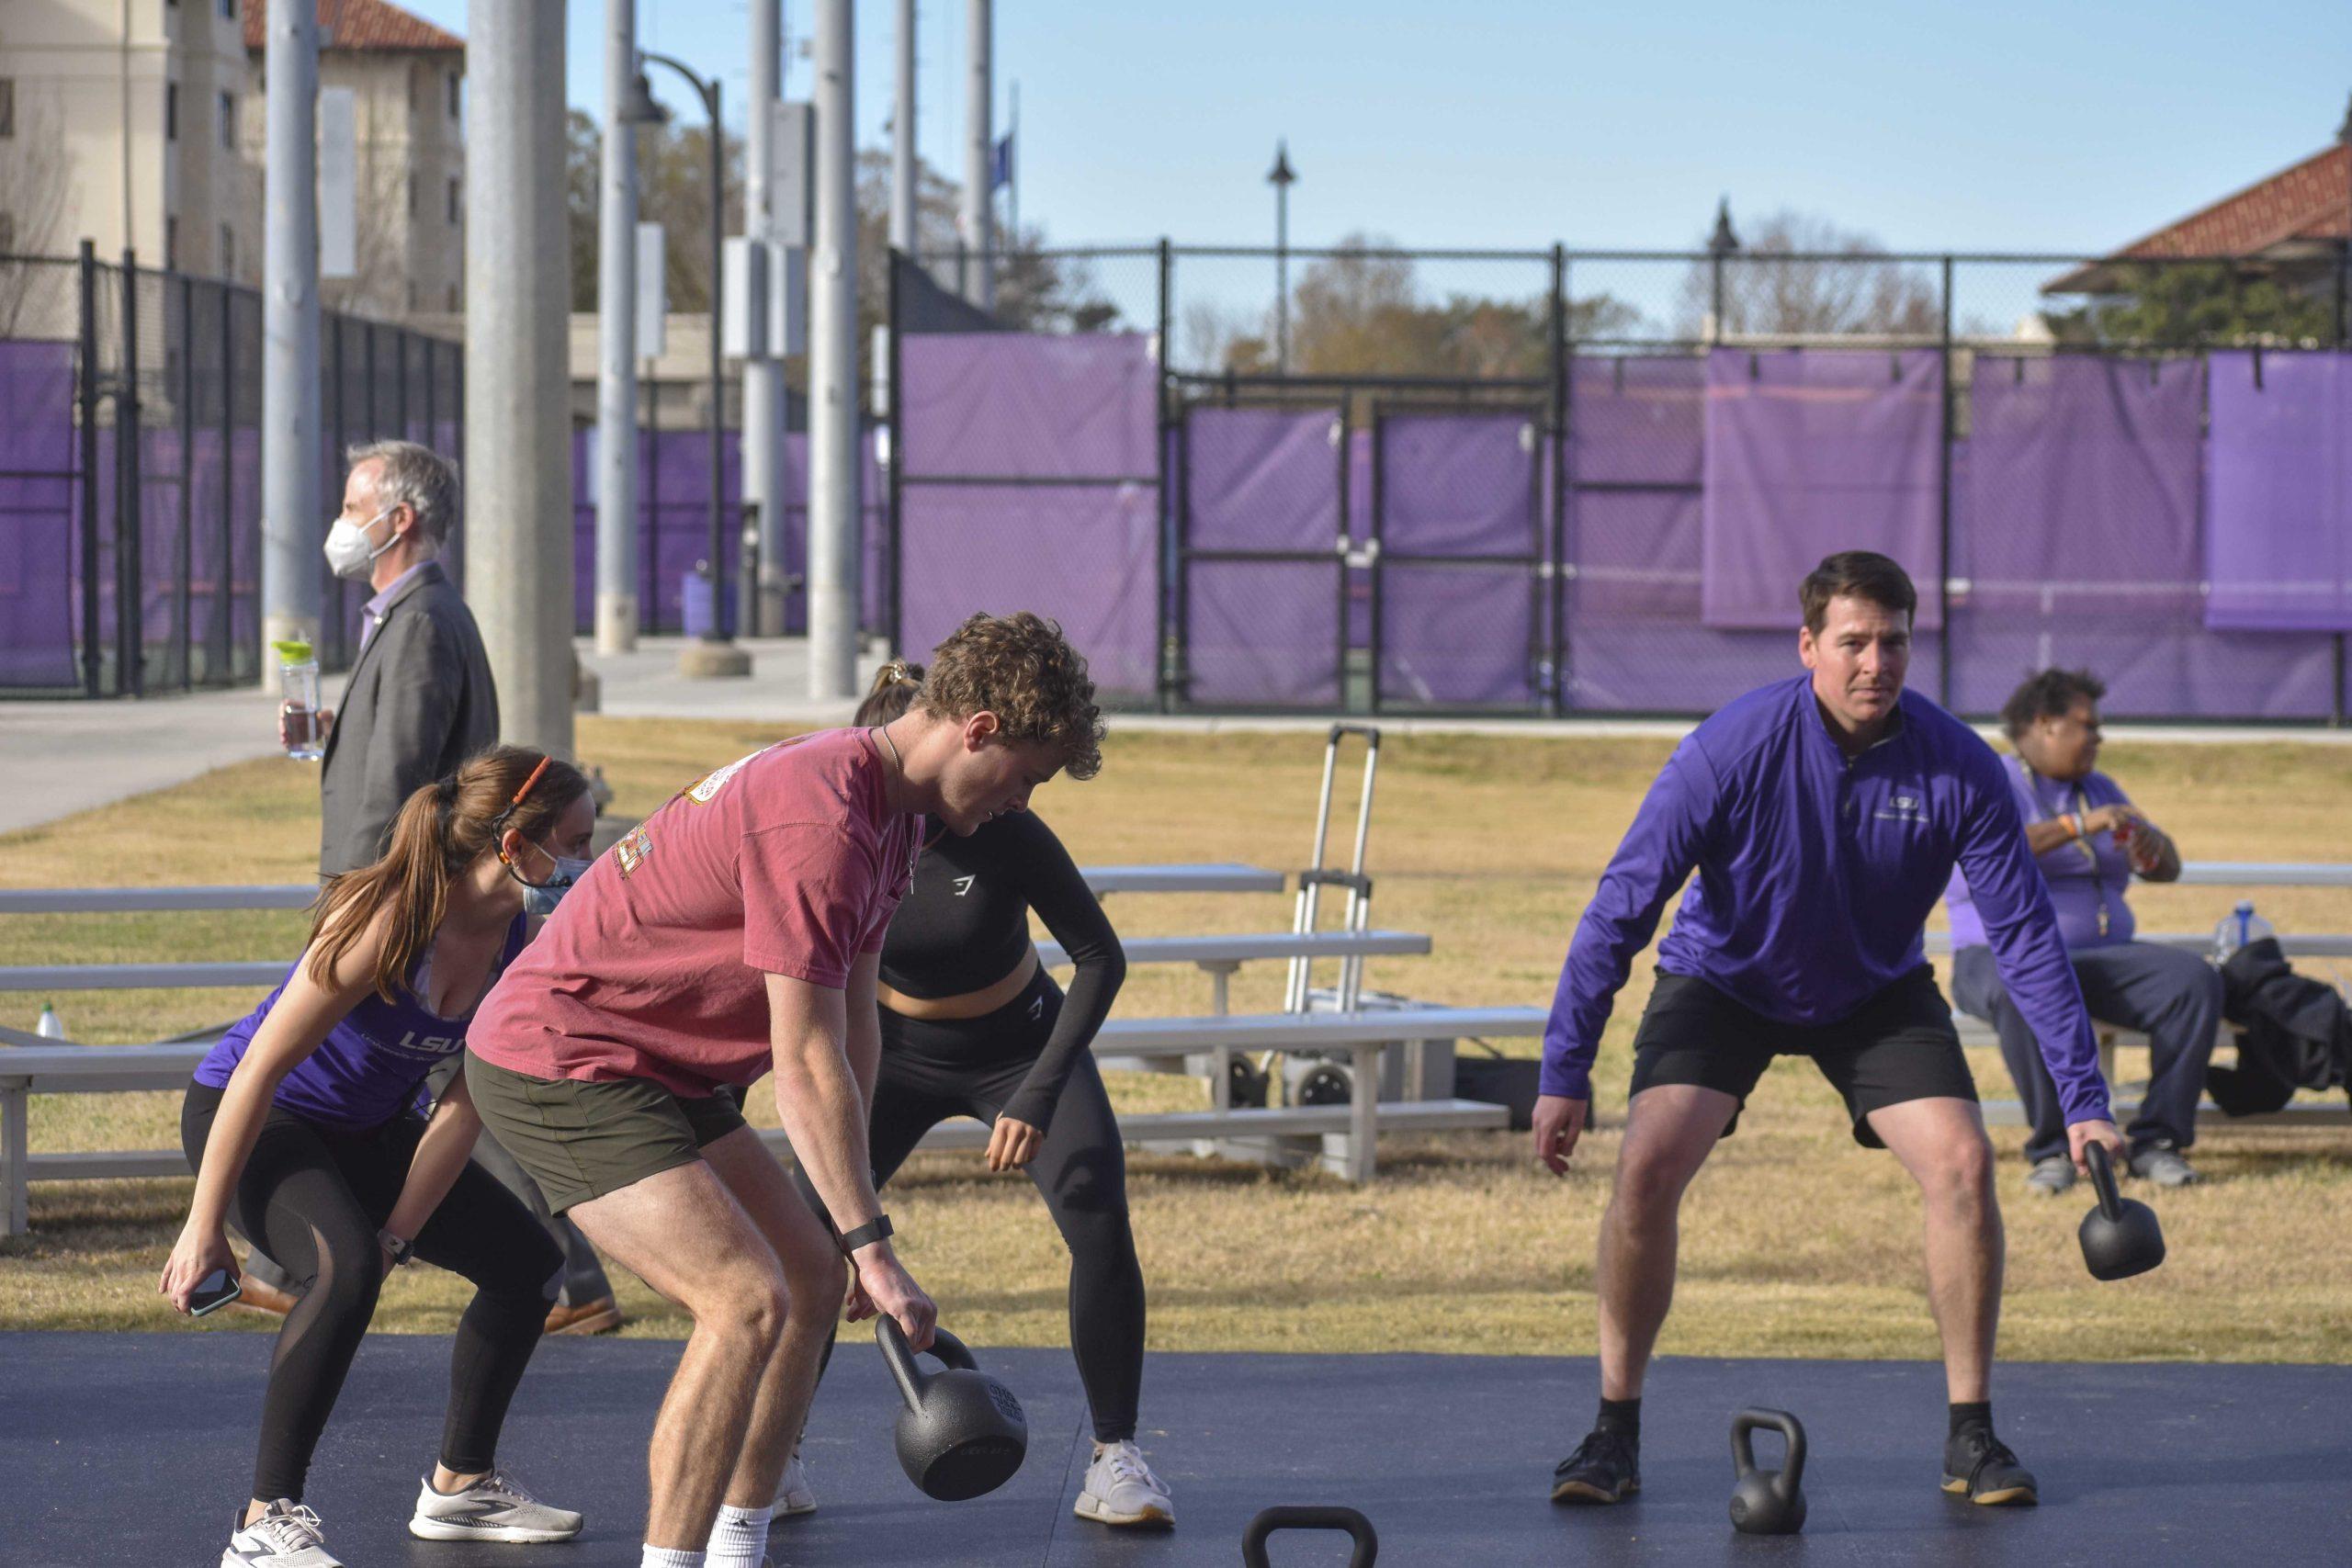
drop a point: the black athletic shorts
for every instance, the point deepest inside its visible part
(581, 1140)
(1898, 1045)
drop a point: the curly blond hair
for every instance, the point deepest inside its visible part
(1020, 668)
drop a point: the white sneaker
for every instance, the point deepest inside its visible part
(1121, 1489)
(287, 1536)
(793, 1496)
(494, 1508)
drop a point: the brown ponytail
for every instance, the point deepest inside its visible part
(442, 829)
(895, 685)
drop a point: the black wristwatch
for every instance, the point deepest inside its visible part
(878, 1228)
(402, 1251)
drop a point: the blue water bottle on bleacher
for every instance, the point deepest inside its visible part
(2240, 926)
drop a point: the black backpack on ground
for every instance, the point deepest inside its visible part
(2293, 1032)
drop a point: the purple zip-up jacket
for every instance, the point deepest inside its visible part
(1815, 877)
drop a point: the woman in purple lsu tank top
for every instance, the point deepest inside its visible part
(306, 1129)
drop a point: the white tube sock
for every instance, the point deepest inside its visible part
(671, 1557)
(739, 1538)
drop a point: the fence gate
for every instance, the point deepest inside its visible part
(1261, 547)
(1458, 604)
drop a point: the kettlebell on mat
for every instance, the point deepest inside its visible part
(962, 1433)
(1767, 1502)
(2120, 1237)
(1300, 1518)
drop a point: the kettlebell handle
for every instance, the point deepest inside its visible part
(1743, 1446)
(900, 1357)
(2111, 1202)
(1296, 1517)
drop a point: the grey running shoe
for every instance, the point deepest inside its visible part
(494, 1508)
(2162, 1164)
(1606, 1467)
(287, 1536)
(1981, 1468)
(1121, 1489)
(2052, 1178)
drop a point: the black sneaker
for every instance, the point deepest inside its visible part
(1606, 1467)
(1980, 1467)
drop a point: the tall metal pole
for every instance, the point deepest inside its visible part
(762, 372)
(833, 368)
(518, 412)
(617, 517)
(292, 524)
(1282, 177)
(979, 156)
(902, 138)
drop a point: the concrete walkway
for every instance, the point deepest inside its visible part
(60, 757)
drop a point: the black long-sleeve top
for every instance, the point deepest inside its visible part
(964, 926)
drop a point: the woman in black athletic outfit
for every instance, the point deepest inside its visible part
(973, 1025)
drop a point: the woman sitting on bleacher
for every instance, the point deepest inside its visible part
(973, 1025)
(306, 1127)
(2090, 840)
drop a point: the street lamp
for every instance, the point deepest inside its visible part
(1721, 244)
(714, 653)
(1282, 177)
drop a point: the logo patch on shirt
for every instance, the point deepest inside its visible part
(964, 884)
(633, 848)
(1036, 1006)
(709, 785)
(1902, 807)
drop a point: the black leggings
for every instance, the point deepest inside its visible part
(314, 1197)
(931, 1071)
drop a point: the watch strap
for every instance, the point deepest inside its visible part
(878, 1228)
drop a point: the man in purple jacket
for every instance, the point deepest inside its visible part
(1823, 814)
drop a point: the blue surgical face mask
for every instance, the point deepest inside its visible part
(541, 898)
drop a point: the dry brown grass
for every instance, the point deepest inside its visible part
(1795, 1241)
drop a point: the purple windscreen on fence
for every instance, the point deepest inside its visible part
(37, 466)
(1810, 452)
(2075, 542)
(1030, 483)
(2278, 488)
(1636, 461)
(1023, 406)
(1263, 632)
(1465, 628)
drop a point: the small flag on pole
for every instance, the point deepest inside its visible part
(1001, 165)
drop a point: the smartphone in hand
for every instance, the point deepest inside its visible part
(213, 1292)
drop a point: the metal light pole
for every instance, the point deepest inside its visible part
(833, 473)
(291, 481)
(616, 519)
(1282, 177)
(902, 138)
(714, 653)
(761, 595)
(979, 155)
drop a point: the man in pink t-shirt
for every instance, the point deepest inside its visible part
(736, 931)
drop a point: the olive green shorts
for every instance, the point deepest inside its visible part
(581, 1140)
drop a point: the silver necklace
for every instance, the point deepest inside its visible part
(914, 851)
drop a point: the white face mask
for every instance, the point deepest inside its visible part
(349, 551)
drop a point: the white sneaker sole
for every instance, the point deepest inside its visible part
(1089, 1506)
(790, 1510)
(425, 1529)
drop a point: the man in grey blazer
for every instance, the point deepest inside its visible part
(420, 701)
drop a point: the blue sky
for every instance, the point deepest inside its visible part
(1932, 124)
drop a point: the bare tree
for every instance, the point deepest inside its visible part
(1802, 276)
(35, 300)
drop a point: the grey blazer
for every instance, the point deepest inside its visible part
(420, 701)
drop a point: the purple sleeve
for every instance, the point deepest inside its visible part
(1656, 855)
(2022, 929)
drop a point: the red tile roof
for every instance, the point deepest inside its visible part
(2310, 202)
(361, 24)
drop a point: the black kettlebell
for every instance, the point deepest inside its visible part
(962, 1433)
(2120, 1237)
(1298, 1517)
(1767, 1502)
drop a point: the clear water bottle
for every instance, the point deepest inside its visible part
(48, 1028)
(2240, 926)
(298, 674)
